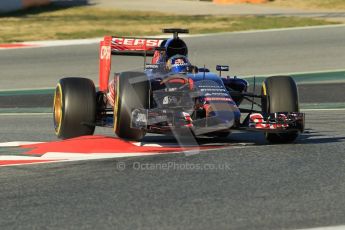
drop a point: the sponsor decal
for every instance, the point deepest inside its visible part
(210, 86)
(169, 100)
(180, 64)
(105, 52)
(212, 90)
(135, 43)
(217, 94)
(151, 66)
(218, 99)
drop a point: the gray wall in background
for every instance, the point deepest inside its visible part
(70, 2)
(10, 5)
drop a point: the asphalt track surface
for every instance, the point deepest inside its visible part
(256, 185)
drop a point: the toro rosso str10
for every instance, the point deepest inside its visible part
(172, 95)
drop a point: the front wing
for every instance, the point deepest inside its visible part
(275, 122)
(165, 120)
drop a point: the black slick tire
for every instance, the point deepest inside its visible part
(74, 109)
(132, 92)
(280, 94)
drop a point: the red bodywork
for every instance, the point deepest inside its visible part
(123, 46)
(104, 63)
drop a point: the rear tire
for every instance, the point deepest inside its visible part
(74, 108)
(280, 94)
(132, 92)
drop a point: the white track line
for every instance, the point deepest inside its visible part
(337, 109)
(146, 145)
(92, 156)
(27, 89)
(24, 114)
(18, 143)
(16, 158)
(76, 156)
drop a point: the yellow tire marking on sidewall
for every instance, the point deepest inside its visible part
(57, 129)
(264, 92)
(264, 88)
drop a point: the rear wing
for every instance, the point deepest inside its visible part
(128, 46)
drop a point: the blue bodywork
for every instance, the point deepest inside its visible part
(209, 90)
(211, 86)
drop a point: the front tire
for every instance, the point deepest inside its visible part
(132, 92)
(74, 107)
(280, 94)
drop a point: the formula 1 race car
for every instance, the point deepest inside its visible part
(173, 96)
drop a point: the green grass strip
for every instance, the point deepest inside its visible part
(49, 23)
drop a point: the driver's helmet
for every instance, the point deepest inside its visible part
(178, 64)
